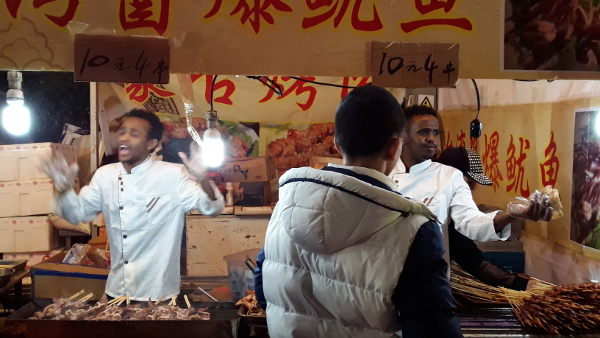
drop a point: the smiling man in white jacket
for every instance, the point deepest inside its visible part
(144, 204)
(347, 256)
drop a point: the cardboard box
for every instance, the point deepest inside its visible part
(254, 194)
(32, 258)
(23, 198)
(209, 240)
(248, 169)
(53, 279)
(26, 234)
(22, 161)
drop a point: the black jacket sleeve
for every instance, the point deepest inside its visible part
(423, 296)
(258, 283)
(466, 253)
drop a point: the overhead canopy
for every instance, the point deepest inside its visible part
(318, 38)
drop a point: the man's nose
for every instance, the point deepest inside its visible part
(123, 137)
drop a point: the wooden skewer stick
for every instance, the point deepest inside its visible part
(86, 298)
(173, 302)
(187, 301)
(127, 294)
(121, 301)
(115, 300)
(159, 300)
(76, 295)
(207, 294)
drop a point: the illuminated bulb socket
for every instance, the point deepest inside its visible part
(212, 119)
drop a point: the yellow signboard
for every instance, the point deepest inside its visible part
(302, 38)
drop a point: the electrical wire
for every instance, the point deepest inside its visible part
(274, 86)
(324, 83)
(478, 101)
(212, 91)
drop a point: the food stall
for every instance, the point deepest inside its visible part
(269, 61)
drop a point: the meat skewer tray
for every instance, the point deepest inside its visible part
(223, 323)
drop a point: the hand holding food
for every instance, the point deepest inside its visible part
(62, 174)
(535, 208)
(195, 164)
(555, 202)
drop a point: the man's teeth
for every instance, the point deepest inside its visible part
(123, 147)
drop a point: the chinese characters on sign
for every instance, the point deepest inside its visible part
(549, 168)
(254, 13)
(330, 9)
(354, 82)
(490, 159)
(414, 65)
(108, 58)
(515, 170)
(144, 13)
(473, 143)
(298, 87)
(460, 139)
(140, 92)
(438, 6)
(221, 83)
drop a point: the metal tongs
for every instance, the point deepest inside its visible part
(250, 264)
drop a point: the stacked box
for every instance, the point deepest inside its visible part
(26, 193)
(23, 161)
(254, 180)
(27, 234)
(26, 197)
(32, 258)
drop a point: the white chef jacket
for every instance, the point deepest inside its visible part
(144, 214)
(450, 198)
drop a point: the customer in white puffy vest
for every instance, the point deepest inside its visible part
(347, 256)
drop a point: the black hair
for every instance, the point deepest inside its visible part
(416, 110)
(156, 127)
(366, 120)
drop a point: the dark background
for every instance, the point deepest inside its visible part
(53, 99)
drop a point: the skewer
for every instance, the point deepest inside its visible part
(159, 300)
(115, 300)
(76, 295)
(207, 294)
(127, 294)
(172, 302)
(86, 298)
(187, 301)
(121, 301)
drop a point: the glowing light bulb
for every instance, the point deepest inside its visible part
(213, 149)
(16, 118)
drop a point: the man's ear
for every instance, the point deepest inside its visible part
(394, 146)
(151, 144)
(337, 147)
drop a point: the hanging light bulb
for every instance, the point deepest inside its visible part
(212, 149)
(15, 118)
